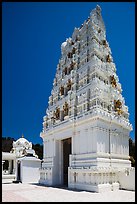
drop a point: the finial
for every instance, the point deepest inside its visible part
(98, 8)
(22, 135)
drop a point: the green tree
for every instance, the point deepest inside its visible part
(7, 144)
(38, 149)
(132, 152)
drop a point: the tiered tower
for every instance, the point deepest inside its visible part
(86, 127)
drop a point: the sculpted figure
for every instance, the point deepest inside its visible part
(55, 81)
(113, 81)
(65, 71)
(65, 108)
(108, 59)
(71, 66)
(118, 106)
(53, 118)
(61, 90)
(57, 113)
(69, 55)
(104, 43)
(73, 50)
(69, 84)
(46, 124)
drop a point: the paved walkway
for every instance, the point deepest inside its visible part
(18, 192)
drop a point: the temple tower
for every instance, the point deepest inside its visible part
(86, 126)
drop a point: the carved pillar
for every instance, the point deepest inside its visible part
(10, 166)
(14, 166)
(2, 165)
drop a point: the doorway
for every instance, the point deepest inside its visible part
(18, 171)
(66, 153)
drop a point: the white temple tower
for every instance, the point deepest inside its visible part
(86, 127)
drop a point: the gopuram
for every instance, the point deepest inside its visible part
(86, 127)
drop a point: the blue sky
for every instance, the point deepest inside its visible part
(32, 33)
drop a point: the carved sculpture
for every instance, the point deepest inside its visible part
(61, 90)
(57, 113)
(69, 55)
(72, 43)
(65, 70)
(53, 118)
(65, 109)
(54, 115)
(99, 31)
(119, 112)
(71, 66)
(77, 38)
(108, 59)
(55, 81)
(73, 50)
(104, 43)
(69, 84)
(113, 81)
(118, 106)
(46, 123)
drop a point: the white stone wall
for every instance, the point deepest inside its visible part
(30, 171)
(90, 147)
(127, 179)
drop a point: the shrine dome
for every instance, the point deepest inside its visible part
(22, 142)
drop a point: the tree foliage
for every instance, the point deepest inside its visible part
(38, 149)
(132, 151)
(7, 144)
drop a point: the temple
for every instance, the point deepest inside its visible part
(86, 127)
(23, 163)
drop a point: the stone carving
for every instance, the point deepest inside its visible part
(53, 118)
(46, 122)
(99, 31)
(119, 111)
(113, 81)
(65, 109)
(69, 84)
(108, 59)
(77, 38)
(65, 70)
(118, 106)
(72, 43)
(104, 43)
(55, 81)
(57, 113)
(71, 66)
(61, 90)
(69, 55)
(73, 50)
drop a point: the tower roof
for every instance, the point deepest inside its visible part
(21, 142)
(86, 75)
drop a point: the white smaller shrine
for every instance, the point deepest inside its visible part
(24, 164)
